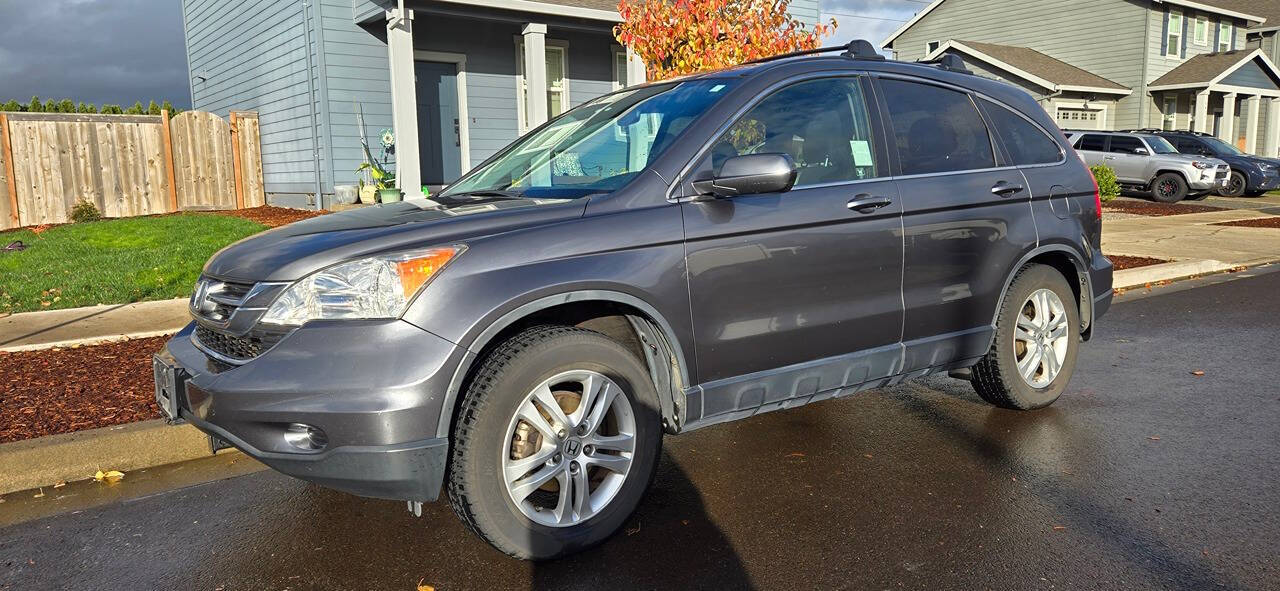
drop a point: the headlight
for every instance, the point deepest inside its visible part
(374, 287)
(1201, 164)
(1267, 167)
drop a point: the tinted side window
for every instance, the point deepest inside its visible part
(1092, 141)
(1190, 146)
(1026, 143)
(822, 124)
(937, 130)
(1125, 144)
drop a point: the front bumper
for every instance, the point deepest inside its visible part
(374, 388)
(1258, 182)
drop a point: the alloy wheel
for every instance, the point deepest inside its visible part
(1040, 338)
(570, 447)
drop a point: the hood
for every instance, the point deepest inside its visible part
(1255, 160)
(294, 251)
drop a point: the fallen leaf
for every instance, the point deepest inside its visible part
(1197, 373)
(60, 484)
(868, 456)
(424, 587)
(38, 495)
(795, 455)
(110, 476)
(634, 531)
(1059, 527)
(1154, 438)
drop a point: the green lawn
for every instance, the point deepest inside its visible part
(112, 261)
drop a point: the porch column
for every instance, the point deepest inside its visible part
(635, 69)
(1273, 128)
(1251, 124)
(1202, 111)
(1227, 130)
(404, 101)
(535, 73)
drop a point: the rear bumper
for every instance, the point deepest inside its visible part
(375, 389)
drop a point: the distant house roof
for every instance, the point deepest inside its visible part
(1033, 66)
(1242, 9)
(1211, 68)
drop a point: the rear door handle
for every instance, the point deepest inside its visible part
(867, 203)
(1005, 189)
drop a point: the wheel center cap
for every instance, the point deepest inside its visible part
(572, 447)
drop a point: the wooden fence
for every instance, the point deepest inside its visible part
(126, 165)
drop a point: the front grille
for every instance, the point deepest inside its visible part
(217, 300)
(238, 349)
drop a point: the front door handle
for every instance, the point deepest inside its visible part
(867, 203)
(1108, 157)
(1005, 189)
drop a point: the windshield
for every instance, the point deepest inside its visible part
(1221, 147)
(598, 147)
(1161, 145)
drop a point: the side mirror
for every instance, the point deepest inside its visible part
(750, 175)
(1140, 151)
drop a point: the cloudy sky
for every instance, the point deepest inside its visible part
(121, 51)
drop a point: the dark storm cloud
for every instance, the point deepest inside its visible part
(99, 51)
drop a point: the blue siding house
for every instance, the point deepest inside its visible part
(456, 79)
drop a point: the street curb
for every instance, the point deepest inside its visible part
(99, 340)
(1142, 276)
(66, 457)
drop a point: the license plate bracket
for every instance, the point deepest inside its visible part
(171, 385)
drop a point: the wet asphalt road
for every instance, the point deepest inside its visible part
(1142, 476)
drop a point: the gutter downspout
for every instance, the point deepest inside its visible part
(1142, 84)
(312, 99)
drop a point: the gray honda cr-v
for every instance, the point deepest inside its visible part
(660, 259)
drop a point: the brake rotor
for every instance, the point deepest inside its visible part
(528, 440)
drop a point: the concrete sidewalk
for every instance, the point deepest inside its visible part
(95, 324)
(1192, 242)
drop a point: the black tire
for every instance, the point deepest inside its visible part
(1198, 196)
(475, 483)
(1236, 185)
(995, 377)
(1169, 187)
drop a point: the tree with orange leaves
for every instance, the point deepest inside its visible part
(677, 37)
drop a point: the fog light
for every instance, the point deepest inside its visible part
(306, 437)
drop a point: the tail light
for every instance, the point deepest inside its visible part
(1097, 196)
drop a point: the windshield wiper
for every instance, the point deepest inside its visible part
(488, 193)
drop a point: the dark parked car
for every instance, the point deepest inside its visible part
(661, 259)
(1251, 176)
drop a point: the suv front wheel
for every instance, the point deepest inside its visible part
(1169, 187)
(556, 441)
(1034, 353)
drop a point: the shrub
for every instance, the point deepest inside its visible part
(1107, 185)
(85, 211)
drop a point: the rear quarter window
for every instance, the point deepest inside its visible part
(1024, 140)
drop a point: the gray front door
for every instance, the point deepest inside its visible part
(439, 137)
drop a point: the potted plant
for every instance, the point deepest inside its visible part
(383, 179)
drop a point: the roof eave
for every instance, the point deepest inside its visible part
(1025, 75)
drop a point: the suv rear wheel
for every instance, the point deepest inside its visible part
(1034, 353)
(556, 441)
(1169, 187)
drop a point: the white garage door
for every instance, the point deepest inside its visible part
(1074, 118)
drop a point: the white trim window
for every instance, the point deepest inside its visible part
(931, 47)
(1225, 30)
(1173, 40)
(619, 68)
(1200, 31)
(1170, 110)
(557, 82)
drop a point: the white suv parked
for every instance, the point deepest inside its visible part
(1148, 162)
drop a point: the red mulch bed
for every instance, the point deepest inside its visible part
(1254, 223)
(64, 390)
(1122, 262)
(1155, 208)
(272, 216)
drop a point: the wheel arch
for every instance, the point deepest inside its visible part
(624, 317)
(1071, 265)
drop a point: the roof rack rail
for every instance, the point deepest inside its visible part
(948, 61)
(1158, 130)
(858, 49)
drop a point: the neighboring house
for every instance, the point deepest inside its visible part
(1203, 65)
(457, 80)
